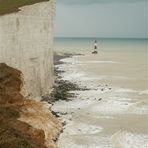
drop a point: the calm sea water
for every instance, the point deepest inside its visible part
(104, 44)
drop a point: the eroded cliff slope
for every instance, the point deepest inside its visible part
(24, 122)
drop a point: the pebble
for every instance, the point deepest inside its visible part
(99, 99)
(102, 89)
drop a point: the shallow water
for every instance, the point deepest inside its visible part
(114, 112)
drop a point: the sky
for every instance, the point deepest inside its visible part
(102, 18)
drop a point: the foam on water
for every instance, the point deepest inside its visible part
(124, 90)
(144, 92)
(81, 128)
(86, 142)
(123, 139)
(72, 105)
(139, 107)
(73, 61)
(73, 73)
(111, 107)
(101, 101)
(119, 103)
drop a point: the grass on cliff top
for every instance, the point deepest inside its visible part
(9, 6)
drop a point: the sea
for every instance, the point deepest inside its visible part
(113, 111)
(73, 44)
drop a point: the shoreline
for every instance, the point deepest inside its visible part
(62, 89)
(80, 116)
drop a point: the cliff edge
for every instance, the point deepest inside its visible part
(9, 6)
(24, 122)
(26, 42)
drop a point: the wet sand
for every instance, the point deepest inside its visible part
(113, 112)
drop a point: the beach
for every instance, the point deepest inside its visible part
(112, 112)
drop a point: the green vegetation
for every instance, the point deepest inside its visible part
(9, 6)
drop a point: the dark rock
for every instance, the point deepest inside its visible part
(62, 88)
(61, 91)
(102, 89)
(64, 123)
(99, 99)
(55, 114)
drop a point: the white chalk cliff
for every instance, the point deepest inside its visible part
(26, 40)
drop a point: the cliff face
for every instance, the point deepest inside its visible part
(26, 43)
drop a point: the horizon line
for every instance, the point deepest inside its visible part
(102, 37)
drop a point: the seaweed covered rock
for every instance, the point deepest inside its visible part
(62, 89)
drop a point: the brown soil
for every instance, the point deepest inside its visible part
(13, 132)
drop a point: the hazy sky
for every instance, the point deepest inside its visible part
(101, 18)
